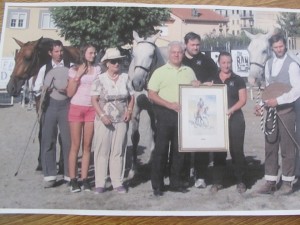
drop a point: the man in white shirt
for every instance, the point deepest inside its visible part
(282, 69)
(54, 116)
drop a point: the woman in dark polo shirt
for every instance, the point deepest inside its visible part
(237, 97)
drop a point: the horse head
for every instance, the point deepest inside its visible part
(143, 58)
(27, 61)
(259, 52)
(30, 58)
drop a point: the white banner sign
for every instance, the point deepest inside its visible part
(6, 68)
(240, 62)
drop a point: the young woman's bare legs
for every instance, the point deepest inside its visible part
(88, 131)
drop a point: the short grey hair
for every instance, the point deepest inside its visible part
(176, 43)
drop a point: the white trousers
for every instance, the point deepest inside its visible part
(110, 143)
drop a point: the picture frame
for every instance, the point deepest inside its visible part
(203, 120)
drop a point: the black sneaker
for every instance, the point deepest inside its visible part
(86, 185)
(74, 186)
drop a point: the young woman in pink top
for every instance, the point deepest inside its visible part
(81, 115)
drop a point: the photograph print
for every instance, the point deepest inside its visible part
(214, 164)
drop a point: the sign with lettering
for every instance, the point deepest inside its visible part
(240, 62)
(6, 68)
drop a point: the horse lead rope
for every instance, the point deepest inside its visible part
(270, 112)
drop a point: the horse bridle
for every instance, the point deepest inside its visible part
(257, 64)
(31, 68)
(148, 70)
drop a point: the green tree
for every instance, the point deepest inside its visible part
(213, 42)
(106, 26)
(289, 23)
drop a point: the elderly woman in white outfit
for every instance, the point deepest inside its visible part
(113, 100)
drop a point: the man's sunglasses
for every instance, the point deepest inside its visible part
(114, 61)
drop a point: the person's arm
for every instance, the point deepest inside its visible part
(103, 117)
(154, 97)
(262, 104)
(213, 68)
(240, 103)
(37, 87)
(128, 112)
(74, 80)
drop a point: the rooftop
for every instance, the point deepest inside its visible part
(198, 15)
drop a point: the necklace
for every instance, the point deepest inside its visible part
(112, 77)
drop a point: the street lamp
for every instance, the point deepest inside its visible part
(220, 28)
(289, 38)
(251, 22)
(227, 28)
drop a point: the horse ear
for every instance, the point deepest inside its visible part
(19, 42)
(249, 35)
(39, 40)
(136, 36)
(36, 44)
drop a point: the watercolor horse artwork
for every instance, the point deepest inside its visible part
(146, 57)
(29, 59)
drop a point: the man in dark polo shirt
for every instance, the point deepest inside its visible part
(205, 70)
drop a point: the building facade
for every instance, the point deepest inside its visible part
(27, 24)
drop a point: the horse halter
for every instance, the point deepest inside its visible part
(142, 67)
(32, 68)
(257, 64)
(271, 116)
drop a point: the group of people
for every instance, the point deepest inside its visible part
(187, 65)
(84, 102)
(96, 106)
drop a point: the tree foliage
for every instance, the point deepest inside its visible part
(106, 26)
(225, 43)
(289, 23)
(213, 42)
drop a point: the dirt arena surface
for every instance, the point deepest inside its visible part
(26, 191)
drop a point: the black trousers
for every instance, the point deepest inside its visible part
(166, 149)
(199, 161)
(236, 147)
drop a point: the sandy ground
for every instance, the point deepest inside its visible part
(25, 191)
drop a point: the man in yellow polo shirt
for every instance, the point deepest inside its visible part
(164, 93)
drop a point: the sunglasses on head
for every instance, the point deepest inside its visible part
(114, 61)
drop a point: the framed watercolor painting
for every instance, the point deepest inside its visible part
(203, 122)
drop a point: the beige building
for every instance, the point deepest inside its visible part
(27, 24)
(31, 23)
(183, 20)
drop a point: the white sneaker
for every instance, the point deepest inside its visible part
(200, 183)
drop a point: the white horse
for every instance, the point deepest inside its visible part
(259, 52)
(146, 57)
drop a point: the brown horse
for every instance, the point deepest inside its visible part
(30, 58)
